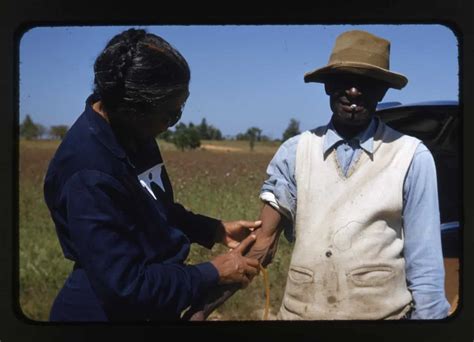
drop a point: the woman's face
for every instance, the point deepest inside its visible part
(160, 118)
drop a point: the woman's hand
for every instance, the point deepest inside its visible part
(233, 232)
(233, 267)
(268, 235)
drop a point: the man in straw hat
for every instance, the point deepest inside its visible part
(359, 200)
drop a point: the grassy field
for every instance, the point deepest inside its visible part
(222, 179)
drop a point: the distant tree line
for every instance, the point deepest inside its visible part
(182, 136)
(189, 136)
(252, 134)
(30, 130)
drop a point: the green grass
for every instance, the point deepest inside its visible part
(236, 199)
(218, 184)
(43, 268)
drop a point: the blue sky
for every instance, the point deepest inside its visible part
(241, 76)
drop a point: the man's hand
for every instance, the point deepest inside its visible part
(233, 232)
(233, 267)
(264, 249)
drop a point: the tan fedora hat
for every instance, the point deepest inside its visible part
(362, 53)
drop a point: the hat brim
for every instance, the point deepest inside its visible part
(393, 79)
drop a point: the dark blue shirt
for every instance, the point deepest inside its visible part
(116, 219)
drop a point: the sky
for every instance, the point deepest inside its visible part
(241, 75)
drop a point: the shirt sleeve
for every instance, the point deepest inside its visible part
(198, 228)
(422, 249)
(279, 189)
(125, 282)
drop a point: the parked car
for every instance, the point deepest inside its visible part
(437, 124)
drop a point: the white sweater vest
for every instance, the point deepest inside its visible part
(347, 261)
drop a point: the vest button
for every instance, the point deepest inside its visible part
(328, 254)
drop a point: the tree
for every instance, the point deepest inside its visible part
(28, 129)
(292, 129)
(59, 131)
(180, 126)
(166, 135)
(241, 136)
(186, 137)
(253, 134)
(214, 133)
(208, 132)
(203, 129)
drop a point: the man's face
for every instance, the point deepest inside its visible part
(354, 98)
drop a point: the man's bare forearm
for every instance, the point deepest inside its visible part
(271, 219)
(263, 249)
(266, 243)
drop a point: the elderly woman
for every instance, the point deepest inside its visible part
(112, 202)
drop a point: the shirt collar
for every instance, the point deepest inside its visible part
(101, 128)
(364, 139)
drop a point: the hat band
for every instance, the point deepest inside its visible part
(359, 56)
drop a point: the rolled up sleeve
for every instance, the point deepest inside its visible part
(125, 281)
(279, 189)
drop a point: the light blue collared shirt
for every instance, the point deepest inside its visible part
(422, 246)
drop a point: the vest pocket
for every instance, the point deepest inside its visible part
(371, 275)
(300, 274)
(299, 293)
(378, 291)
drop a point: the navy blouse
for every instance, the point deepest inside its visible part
(116, 219)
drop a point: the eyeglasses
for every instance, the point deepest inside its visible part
(167, 113)
(167, 116)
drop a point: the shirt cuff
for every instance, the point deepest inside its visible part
(430, 306)
(209, 275)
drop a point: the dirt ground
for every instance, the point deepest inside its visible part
(220, 148)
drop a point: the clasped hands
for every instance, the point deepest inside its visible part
(239, 265)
